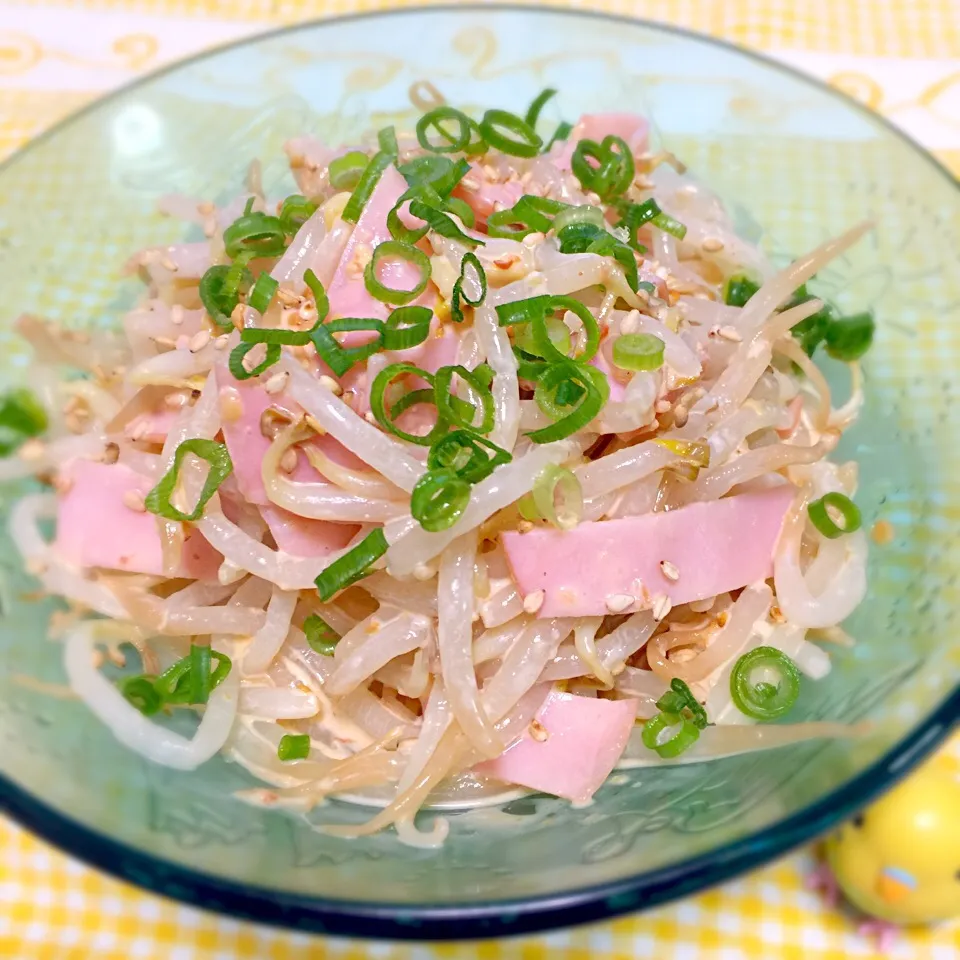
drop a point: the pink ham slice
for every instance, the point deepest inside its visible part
(348, 294)
(717, 546)
(95, 528)
(304, 537)
(247, 445)
(585, 739)
(487, 197)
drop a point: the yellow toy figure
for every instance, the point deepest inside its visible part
(899, 859)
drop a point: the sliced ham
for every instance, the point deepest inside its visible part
(96, 528)
(303, 537)
(584, 739)
(484, 197)
(717, 546)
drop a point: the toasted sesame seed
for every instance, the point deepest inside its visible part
(272, 421)
(663, 406)
(139, 430)
(32, 450)
(722, 618)
(111, 453)
(661, 607)
(370, 418)
(669, 570)
(288, 462)
(532, 602)
(712, 245)
(532, 239)
(221, 342)
(618, 602)
(315, 425)
(331, 385)
(538, 731)
(287, 297)
(277, 382)
(133, 500)
(175, 400)
(167, 343)
(524, 526)
(199, 340)
(776, 614)
(730, 333)
(176, 314)
(168, 264)
(468, 183)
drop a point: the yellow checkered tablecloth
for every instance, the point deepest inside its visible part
(903, 59)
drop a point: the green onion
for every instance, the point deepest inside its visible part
(295, 211)
(638, 351)
(395, 250)
(581, 214)
(450, 142)
(522, 311)
(849, 338)
(442, 385)
(610, 173)
(406, 327)
(440, 223)
(294, 746)
(462, 209)
(680, 698)
(508, 133)
(338, 358)
(441, 174)
(557, 331)
(607, 245)
(666, 223)
(141, 693)
(262, 293)
(239, 352)
(439, 499)
(385, 417)
(820, 516)
(739, 290)
(352, 566)
(563, 131)
(591, 330)
(526, 216)
(255, 235)
(320, 298)
(765, 700)
(471, 457)
(595, 391)
(21, 416)
(365, 186)
(387, 140)
(218, 301)
(458, 296)
(539, 102)
(346, 171)
(190, 680)
(321, 637)
(158, 499)
(682, 740)
(554, 481)
(577, 237)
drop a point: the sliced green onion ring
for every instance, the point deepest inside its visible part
(365, 186)
(582, 214)
(443, 383)
(406, 327)
(190, 679)
(352, 566)
(441, 174)
(819, 512)
(255, 235)
(385, 417)
(141, 693)
(666, 223)
(471, 457)
(439, 499)
(294, 746)
(451, 142)
(458, 297)
(849, 338)
(221, 466)
(596, 390)
(239, 352)
(539, 102)
(345, 171)
(739, 290)
(541, 334)
(396, 250)
(295, 211)
(680, 698)
(218, 302)
(262, 293)
(321, 637)
(682, 740)
(562, 132)
(440, 223)
(638, 351)
(387, 140)
(320, 298)
(22, 415)
(765, 699)
(552, 482)
(510, 134)
(612, 169)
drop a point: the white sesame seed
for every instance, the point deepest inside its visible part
(175, 400)
(288, 462)
(165, 342)
(277, 382)
(199, 340)
(222, 342)
(532, 602)
(370, 418)
(618, 602)
(669, 570)
(470, 184)
(538, 731)
(524, 526)
(663, 406)
(168, 264)
(532, 239)
(631, 322)
(712, 245)
(331, 385)
(133, 500)
(139, 431)
(661, 607)
(730, 333)
(176, 314)
(111, 453)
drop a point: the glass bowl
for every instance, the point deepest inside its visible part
(789, 155)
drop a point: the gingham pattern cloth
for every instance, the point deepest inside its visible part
(901, 58)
